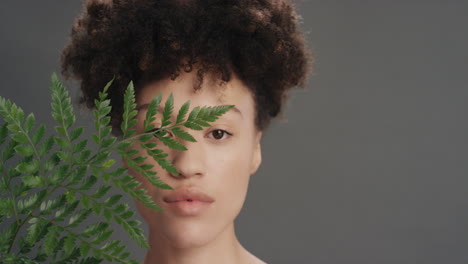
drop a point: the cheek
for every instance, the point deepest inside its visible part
(229, 170)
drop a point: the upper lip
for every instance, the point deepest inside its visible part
(185, 194)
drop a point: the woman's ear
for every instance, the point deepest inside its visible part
(257, 155)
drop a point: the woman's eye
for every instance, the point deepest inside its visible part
(162, 132)
(219, 134)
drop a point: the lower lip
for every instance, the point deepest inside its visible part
(186, 208)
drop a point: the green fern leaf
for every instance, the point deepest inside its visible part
(69, 243)
(85, 201)
(63, 143)
(124, 145)
(76, 133)
(70, 196)
(109, 202)
(108, 141)
(183, 112)
(169, 142)
(102, 236)
(84, 248)
(108, 163)
(168, 109)
(96, 252)
(28, 168)
(9, 151)
(193, 114)
(107, 214)
(7, 235)
(165, 163)
(80, 146)
(151, 112)
(61, 257)
(6, 207)
(65, 211)
(3, 133)
(89, 182)
(79, 217)
(111, 245)
(61, 130)
(145, 138)
(33, 201)
(29, 123)
(127, 214)
(216, 111)
(47, 207)
(103, 190)
(158, 183)
(126, 254)
(83, 156)
(97, 208)
(63, 156)
(201, 123)
(94, 228)
(37, 137)
(100, 157)
(59, 175)
(135, 233)
(20, 138)
(177, 131)
(24, 150)
(118, 250)
(46, 146)
(61, 104)
(129, 109)
(78, 174)
(120, 208)
(193, 126)
(51, 241)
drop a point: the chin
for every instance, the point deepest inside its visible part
(189, 235)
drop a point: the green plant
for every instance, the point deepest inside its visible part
(47, 191)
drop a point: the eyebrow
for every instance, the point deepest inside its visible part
(161, 109)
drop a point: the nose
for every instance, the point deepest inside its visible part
(190, 162)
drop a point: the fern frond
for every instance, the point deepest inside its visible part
(51, 241)
(49, 206)
(64, 212)
(78, 217)
(178, 132)
(151, 112)
(168, 109)
(3, 133)
(37, 230)
(169, 142)
(129, 111)
(62, 110)
(27, 205)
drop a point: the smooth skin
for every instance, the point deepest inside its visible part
(219, 164)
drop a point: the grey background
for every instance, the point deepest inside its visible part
(372, 164)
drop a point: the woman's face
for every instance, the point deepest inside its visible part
(213, 173)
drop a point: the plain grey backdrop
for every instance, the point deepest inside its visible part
(372, 163)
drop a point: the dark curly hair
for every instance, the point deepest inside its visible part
(148, 40)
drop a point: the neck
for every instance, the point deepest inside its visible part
(224, 249)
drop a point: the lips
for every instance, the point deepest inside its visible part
(187, 201)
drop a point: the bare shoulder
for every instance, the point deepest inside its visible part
(252, 259)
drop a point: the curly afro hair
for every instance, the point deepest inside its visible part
(148, 40)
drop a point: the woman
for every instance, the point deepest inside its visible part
(246, 53)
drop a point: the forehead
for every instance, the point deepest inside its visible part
(212, 92)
